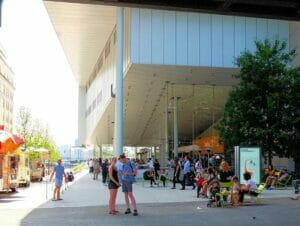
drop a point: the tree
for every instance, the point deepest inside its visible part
(35, 134)
(261, 109)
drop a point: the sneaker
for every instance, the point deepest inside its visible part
(173, 188)
(135, 212)
(128, 211)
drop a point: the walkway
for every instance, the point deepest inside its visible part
(85, 203)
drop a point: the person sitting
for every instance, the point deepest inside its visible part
(270, 175)
(225, 173)
(211, 176)
(199, 182)
(149, 175)
(249, 188)
(214, 189)
(163, 176)
(283, 175)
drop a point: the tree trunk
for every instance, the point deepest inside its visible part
(270, 157)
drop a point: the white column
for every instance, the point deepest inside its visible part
(175, 126)
(166, 137)
(118, 140)
(81, 116)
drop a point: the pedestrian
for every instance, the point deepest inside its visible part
(90, 164)
(113, 186)
(104, 168)
(59, 171)
(156, 166)
(127, 173)
(96, 168)
(176, 174)
(187, 173)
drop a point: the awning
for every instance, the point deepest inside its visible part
(9, 143)
(210, 143)
(189, 148)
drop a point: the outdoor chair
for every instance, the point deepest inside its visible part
(260, 189)
(225, 191)
(283, 184)
(159, 181)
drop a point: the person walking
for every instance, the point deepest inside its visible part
(176, 174)
(113, 186)
(127, 173)
(156, 166)
(96, 168)
(186, 173)
(59, 171)
(104, 168)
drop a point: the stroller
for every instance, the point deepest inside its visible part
(214, 198)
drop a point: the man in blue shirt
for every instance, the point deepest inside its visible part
(127, 173)
(186, 172)
(59, 171)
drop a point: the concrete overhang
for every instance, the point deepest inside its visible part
(203, 92)
(83, 30)
(276, 9)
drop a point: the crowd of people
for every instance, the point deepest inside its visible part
(122, 172)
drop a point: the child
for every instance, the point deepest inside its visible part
(214, 189)
(163, 176)
(199, 181)
(235, 191)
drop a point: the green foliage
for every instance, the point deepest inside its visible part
(36, 135)
(261, 109)
(54, 156)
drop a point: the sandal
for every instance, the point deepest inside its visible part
(115, 211)
(112, 213)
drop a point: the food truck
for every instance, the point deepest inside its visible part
(9, 160)
(9, 172)
(23, 170)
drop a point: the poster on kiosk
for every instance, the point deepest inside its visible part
(250, 161)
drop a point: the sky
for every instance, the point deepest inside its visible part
(43, 78)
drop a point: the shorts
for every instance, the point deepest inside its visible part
(58, 182)
(112, 185)
(126, 186)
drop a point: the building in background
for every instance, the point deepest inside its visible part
(7, 90)
(178, 62)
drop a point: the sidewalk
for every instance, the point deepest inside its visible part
(85, 203)
(89, 192)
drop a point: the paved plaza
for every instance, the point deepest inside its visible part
(85, 203)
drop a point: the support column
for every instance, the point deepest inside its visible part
(176, 126)
(81, 116)
(166, 136)
(118, 140)
(135, 152)
(101, 151)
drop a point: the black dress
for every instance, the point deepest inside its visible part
(111, 184)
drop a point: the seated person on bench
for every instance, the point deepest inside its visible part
(249, 188)
(149, 175)
(283, 175)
